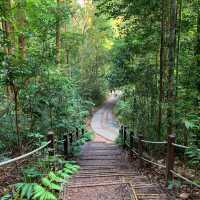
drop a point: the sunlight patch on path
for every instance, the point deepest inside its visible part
(103, 121)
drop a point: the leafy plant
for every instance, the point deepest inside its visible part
(193, 154)
(26, 190)
(41, 193)
(48, 188)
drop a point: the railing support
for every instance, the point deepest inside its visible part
(82, 132)
(66, 146)
(140, 149)
(70, 138)
(50, 137)
(124, 136)
(131, 141)
(170, 157)
(77, 133)
(121, 132)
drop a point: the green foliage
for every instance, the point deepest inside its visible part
(50, 95)
(41, 193)
(76, 146)
(49, 186)
(88, 136)
(135, 66)
(26, 190)
(194, 154)
(31, 173)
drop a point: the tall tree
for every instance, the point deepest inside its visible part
(171, 66)
(197, 48)
(6, 26)
(58, 34)
(162, 63)
(21, 21)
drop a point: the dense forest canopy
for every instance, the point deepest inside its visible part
(51, 52)
(156, 63)
(59, 59)
(58, 62)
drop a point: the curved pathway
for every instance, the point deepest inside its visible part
(103, 121)
(106, 172)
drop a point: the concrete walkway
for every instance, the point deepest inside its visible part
(103, 121)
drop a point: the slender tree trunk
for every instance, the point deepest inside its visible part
(162, 65)
(7, 39)
(58, 35)
(15, 91)
(21, 21)
(6, 26)
(178, 46)
(197, 49)
(21, 43)
(171, 65)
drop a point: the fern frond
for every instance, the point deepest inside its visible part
(53, 186)
(25, 189)
(55, 177)
(42, 194)
(63, 174)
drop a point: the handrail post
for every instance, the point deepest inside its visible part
(140, 149)
(82, 132)
(71, 138)
(50, 137)
(66, 146)
(124, 136)
(121, 132)
(77, 133)
(70, 142)
(131, 140)
(170, 157)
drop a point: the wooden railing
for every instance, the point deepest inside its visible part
(67, 141)
(139, 152)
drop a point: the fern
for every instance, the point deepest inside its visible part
(52, 186)
(55, 177)
(68, 171)
(73, 168)
(6, 197)
(63, 174)
(42, 194)
(71, 162)
(25, 189)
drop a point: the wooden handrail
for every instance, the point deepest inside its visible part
(182, 146)
(185, 179)
(153, 142)
(170, 154)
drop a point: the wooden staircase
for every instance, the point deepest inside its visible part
(106, 174)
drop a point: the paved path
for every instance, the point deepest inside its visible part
(106, 172)
(103, 121)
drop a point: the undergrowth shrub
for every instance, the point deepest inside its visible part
(47, 188)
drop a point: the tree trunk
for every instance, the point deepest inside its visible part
(21, 21)
(6, 26)
(163, 59)
(21, 42)
(197, 49)
(15, 91)
(58, 35)
(171, 65)
(178, 46)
